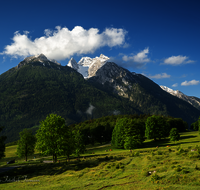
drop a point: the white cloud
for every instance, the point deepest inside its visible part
(175, 85)
(160, 76)
(188, 83)
(141, 57)
(177, 60)
(63, 43)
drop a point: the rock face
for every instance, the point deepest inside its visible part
(37, 58)
(88, 66)
(190, 99)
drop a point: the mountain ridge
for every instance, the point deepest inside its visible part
(38, 87)
(194, 101)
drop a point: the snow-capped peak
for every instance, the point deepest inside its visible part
(177, 93)
(88, 66)
(171, 91)
(85, 61)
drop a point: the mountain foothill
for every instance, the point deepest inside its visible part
(91, 88)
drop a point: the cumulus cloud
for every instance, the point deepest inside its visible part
(189, 83)
(160, 76)
(177, 60)
(175, 85)
(63, 43)
(141, 57)
(132, 61)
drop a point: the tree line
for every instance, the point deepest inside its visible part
(55, 138)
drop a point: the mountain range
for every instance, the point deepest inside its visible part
(91, 88)
(190, 99)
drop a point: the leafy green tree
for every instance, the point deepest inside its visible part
(52, 136)
(195, 126)
(177, 123)
(174, 135)
(68, 143)
(118, 133)
(2, 145)
(26, 144)
(156, 127)
(134, 133)
(79, 145)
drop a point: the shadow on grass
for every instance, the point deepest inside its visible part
(187, 137)
(166, 142)
(154, 144)
(41, 169)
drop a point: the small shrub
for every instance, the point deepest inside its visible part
(111, 157)
(137, 153)
(169, 149)
(159, 152)
(152, 153)
(196, 167)
(145, 173)
(181, 150)
(151, 166)
(172, 167)
(184, 171)
(117, 166)
(148, 158)
(155, 177)
(178, 148)
(106, 158)
(178, 169)
(108, 166)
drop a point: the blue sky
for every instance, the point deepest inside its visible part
(158, 38)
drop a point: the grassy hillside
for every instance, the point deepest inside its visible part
(174, 167)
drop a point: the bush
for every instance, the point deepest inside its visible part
(178, 168)
(137, 153)
(108, 166)
(159, 152)
(145, 173)
(155, 177)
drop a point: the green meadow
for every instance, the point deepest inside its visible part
(155, 165)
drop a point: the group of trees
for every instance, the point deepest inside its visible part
(53, 138)
(130, 133)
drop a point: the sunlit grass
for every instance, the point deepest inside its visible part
(149, 167)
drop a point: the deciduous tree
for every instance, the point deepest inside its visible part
(52, 137)
(174, 135)
(26, 144)
(2, 145)
(156, 127)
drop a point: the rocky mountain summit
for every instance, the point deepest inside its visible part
(42, 59)
(88, 66)
(190, 99)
